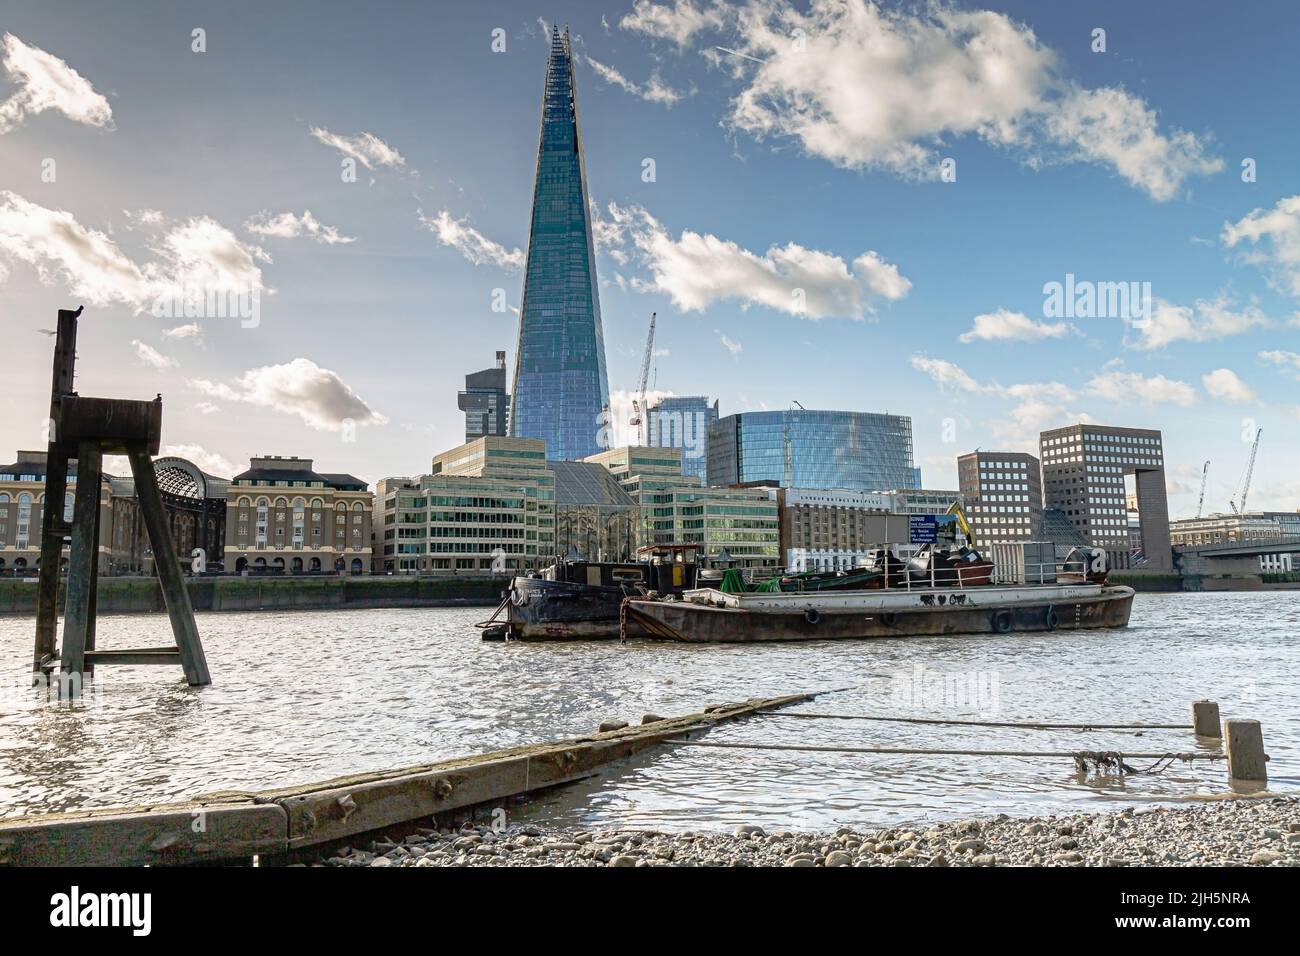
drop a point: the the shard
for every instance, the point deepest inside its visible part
(561, 388)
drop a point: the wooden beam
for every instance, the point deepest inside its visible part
(81, 562)
(165, 562)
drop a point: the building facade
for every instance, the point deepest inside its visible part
(561, 387)
(1003, 495)
(683, 422)
(1084, 471)
(485, 401)
(283, 516)
(745, 522)
(595, 519)
(486, 506)
(22, 503)
(803, 448)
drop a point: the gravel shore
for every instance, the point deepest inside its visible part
(1259, 832)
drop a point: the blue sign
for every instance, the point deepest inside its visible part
(921, 529)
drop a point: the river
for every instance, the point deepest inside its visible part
(303, 696)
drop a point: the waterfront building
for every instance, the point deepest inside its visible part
(193, 501)
(830, 530)
(745, 522)
(485, 506)
(1241, 529)
(1003, 496)
(923, 501)
(805, 448)
(283, 515)
(1085, 468)
(561, 387)
(485, 401)
(683, 421)
(594, 516)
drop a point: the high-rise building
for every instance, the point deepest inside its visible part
(1003, 492)
(561, 388)
(485, 402)
(1084, 475)
(802, 448)
(683, 421)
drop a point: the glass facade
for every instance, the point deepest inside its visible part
(561, 388)
(683, 421)
(485, 401)
(801, 448)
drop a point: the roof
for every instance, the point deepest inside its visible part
(587, 483)
(338, 481)
(1058, 529)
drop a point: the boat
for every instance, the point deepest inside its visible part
(929, 607)
(575, 599)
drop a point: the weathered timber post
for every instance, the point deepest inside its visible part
(167, 566)
(79, 606)
(1243, 741)
(1205, 719)
(53, 527)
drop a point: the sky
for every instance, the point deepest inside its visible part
(837, 203)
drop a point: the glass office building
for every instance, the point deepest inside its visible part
(803, 448)
(561, 388)
(683, 421)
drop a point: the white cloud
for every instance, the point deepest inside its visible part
(1274, 235)
(190, 331)
(1287, 361)
(1226, 385)
(1204, 321)
(366, 148)
(678, 20)
(621, 430)
(730, 344)
(288, 226)
(301, 387)
(1113, 127)
(471, 243)
(1115, 384)
(1005, 325)
(44, 82)
(947, 375)
(696, 270)
(654, 90)
(867, 87)
(206, 408)
(152, 357)
(208, 462)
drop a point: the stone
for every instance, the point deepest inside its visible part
(381, 861)
(1265, 857)
(1066, 843)
(838, 858)
(748, 830)
(938, 860)
(800, 861)
(622, 860)
(650, 718)
(607, 725)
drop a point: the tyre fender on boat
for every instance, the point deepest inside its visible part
(1002, 621)
(1050, 618)
(812, 616)
(889, 619)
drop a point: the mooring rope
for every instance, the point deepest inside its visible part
(1098, 759)
(1035, 725)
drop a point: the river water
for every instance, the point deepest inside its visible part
(304, 696)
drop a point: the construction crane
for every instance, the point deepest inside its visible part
(1245, 479)
(638, 403)
(1200, 504)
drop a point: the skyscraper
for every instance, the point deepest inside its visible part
(682, 421)
(485, 401)
(561, 388)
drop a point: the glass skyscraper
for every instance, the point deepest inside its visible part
(803, 448)
(561, 388)
(683, 421)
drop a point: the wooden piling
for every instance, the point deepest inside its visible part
(1244, 745)
(1205, 719)
(81, 562)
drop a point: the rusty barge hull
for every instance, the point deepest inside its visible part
(739, 620)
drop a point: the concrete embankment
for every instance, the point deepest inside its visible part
(136, 595)
(1254, 831)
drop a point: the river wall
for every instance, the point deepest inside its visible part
(136, 595)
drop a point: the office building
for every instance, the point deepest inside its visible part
(485, 401)
(683, 422)
(1003, 495)
(561, 387)
(1085, 472)
(803, 448)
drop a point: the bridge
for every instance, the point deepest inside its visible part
(1231, 563)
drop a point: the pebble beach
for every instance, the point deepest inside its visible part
(1246, 832)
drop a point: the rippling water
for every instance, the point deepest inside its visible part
(303, 696)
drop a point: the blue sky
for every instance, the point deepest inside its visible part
(798, 240)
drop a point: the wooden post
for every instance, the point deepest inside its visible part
(81, 563)
(1244, 745)
(168, 569)
(1205, 719)
(53, 528)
